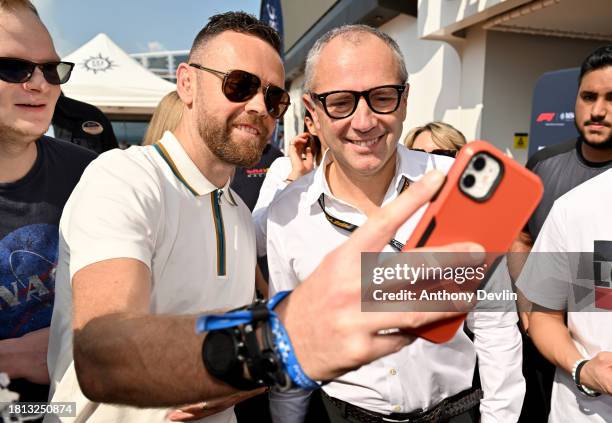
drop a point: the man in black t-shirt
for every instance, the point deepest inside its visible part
(562, 168)
(37, 175)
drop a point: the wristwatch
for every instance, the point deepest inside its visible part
(223, 354)
(229, 352)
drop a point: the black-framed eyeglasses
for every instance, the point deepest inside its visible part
(341, 104)
(439, 152)
(239, 86)
(18, 71)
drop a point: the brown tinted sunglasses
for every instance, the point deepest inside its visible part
(239, 86)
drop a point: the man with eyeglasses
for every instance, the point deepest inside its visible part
(356, 91)
(37, 174)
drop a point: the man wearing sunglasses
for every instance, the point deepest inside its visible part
(37, 174)
(356, 91)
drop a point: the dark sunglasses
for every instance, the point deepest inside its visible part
(341, 104)
(18, 71)
(239, 86)
(439, 152)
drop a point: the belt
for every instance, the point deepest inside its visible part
(445, 409)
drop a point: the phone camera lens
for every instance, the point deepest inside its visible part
(479, 163)
(469, 181)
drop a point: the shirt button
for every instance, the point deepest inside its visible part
(392, 372)
(397, 408)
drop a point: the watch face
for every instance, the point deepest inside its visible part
(220, 352)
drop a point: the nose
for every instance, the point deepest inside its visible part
(363, 119)
(37, 81)
(599, 108)
(257, 105)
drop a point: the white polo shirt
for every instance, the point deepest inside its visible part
(422, 373)
(151, 204)
(579, 222)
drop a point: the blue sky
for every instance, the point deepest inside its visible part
(135, 25)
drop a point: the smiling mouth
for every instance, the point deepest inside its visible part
(365, 143)
(248, 129)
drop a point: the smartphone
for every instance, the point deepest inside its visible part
(487, 198)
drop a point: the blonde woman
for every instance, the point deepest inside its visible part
(436, 138)
(165, 118)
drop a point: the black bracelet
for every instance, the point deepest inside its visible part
(586, 391)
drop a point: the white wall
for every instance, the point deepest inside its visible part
(443, 17)
(434, 72)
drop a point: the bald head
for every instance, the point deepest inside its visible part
(354, 35)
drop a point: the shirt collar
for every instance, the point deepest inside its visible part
(319, 181)
(171, 150)
(410, 166)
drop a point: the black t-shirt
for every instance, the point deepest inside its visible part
(247, 182)
(83, 124)
(561, 167)
(30, 209)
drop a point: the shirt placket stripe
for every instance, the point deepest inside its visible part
(215, 198)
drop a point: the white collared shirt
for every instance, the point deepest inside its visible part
(154, 205)
(421, 374)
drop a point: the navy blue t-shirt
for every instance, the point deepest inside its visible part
(30, 209)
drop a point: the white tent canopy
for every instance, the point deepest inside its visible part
(107, 77)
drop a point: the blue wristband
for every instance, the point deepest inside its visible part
(282, 343)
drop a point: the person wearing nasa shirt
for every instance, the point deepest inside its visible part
(356, 91)
(37, 175)
(573, 291)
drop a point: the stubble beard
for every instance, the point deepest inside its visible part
(217, 137)
(604, 145)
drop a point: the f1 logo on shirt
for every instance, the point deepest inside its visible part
(602, 272)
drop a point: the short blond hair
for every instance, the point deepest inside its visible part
(166, 117)
(445, 136)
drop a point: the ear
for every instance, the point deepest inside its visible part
(185, 83)
(403, 106)
(310, 126)
(310, 106)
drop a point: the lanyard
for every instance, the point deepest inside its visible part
(339, 223)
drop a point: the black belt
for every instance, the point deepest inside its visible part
(445, 409)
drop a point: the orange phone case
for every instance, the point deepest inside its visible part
(494, 223)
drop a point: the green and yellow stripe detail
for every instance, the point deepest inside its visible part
(164, 153)
(215, 197)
